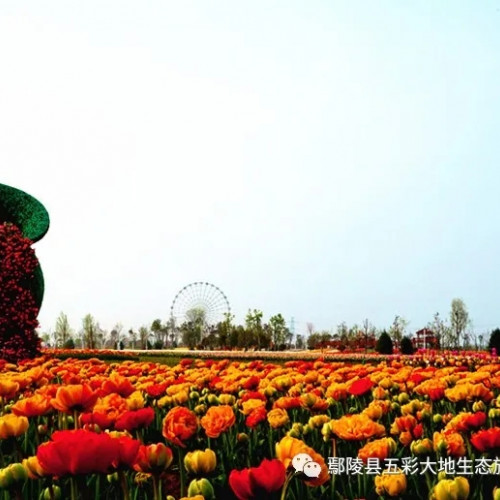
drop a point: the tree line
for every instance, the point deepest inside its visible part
(454, 332)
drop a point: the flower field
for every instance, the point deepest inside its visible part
(425, 427)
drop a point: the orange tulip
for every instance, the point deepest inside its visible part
(74, 398)
(217, 420)
(380, 448)
(33, 468)
(12, 426)
(356, 427)
(288, 447)
(278, 418)
(8, 388)
(179, 425)
(33, 406)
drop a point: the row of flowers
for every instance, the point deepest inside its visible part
(231, 429)
(423, 356)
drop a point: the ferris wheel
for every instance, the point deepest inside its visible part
(199, 301)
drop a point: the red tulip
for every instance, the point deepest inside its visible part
(78, 452)
(127, 452)
(488, 439)
(360, 386)
(132, 420)
(257, 482)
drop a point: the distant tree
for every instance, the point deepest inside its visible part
(353, 334)
(90, 330)
(398, 329)
(223, 330)
(384, 344)
(406, 345)
(160, 332)
(254, 328)
(115, 336)
(299, 342)
(62, 331)
(313, 341)
(132, 338)
(442, 331)
(45, 336)
(459, 319)
(144, 334)
(310, 328)
(319, 340)
(494, 342)
(191, 333)
(69, 344)
(342, 331)
(279, 331)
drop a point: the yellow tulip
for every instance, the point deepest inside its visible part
(451, 489)
(200, 462)
(392, 484)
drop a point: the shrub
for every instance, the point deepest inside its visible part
(495, 340)
(406, 346)
(384, 344)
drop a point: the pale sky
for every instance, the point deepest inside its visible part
(330, 161)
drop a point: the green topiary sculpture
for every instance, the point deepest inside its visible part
(23, 220)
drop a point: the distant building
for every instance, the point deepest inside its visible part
(425, 339)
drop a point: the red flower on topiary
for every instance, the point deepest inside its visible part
(18, 310)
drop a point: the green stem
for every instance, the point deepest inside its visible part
(74, 492)
(285, 486)
(124, 485)
(181, 474)
(156, 490)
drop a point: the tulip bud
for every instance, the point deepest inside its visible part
(326, 431)
(496, 493)
(42, 429)
(194, 396)
(441, 475)
(306, 429)
(201, 487)
(227, 399)
(437, 418)
(200, 462)
(421, 446)
(493, 413)
(11, 475)
(241, 437)
(403, 398)
(200, 409)
(395, 407)
(212, 399)
(54, 495)
(112, 478)
(478, 406)
(270, 391)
